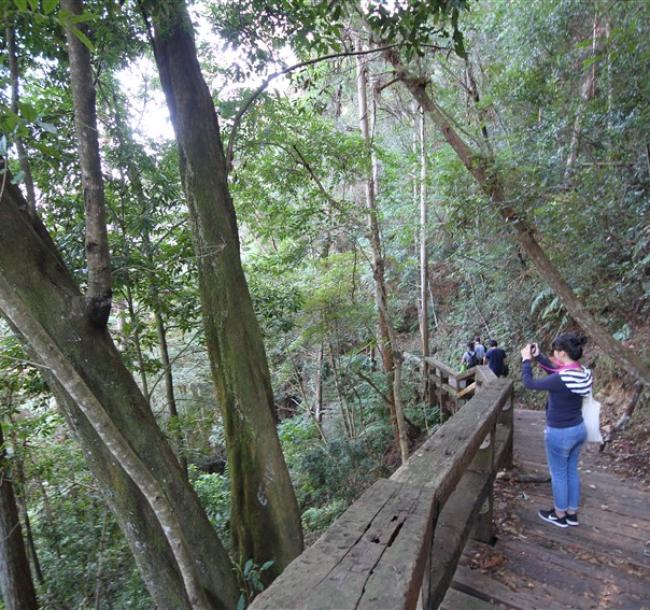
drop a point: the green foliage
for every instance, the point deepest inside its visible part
(214, 492)
(79, 545)
(250, 575)
(327, 477)
(317, 519)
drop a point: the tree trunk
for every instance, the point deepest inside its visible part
(12, 59)
(98, 258)
(319, 385)
(381, 296)
(172, 409)
(586, 93)
(15, 577)
(135, 332)
(21, 499)
(424, 263)
(175, 546)
(489, 179)
(265, 520)
(345, 409)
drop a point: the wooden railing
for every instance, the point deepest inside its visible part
(401, 540)
(452, 388)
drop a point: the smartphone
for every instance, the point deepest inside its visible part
(534, 349)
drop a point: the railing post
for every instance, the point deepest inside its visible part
(484, 462)
(425, 591)
(507, 419)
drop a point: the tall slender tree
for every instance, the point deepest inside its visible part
(14, 71)
(15, 577)
(424, 256)
(264, 520)
(386, 334)
(98, 258)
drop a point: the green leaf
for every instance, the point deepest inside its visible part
(21, 4)
(459, 44)
(266, 565)
(49, 6)
(241, 602)
(48, 151)
(84, 39)
(47, 127)
(28, 112)
(9, 121)
(247, 567)
(83, 18)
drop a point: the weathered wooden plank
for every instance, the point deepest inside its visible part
(456, 521)
(457, 600)
(405, 517)
(437, 364)
(396, 580)
(614, 544)
(382, 539)
(596, 490)
(483, 586)
(484, 374)
(316, 562)
(597, 573)
(527, 570)
(595, 518)
(468, 390)
(441, 460)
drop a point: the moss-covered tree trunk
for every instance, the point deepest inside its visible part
(265, 520)
(182, 562)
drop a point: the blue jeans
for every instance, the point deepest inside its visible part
(562, 452)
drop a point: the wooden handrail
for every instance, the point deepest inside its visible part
(403, 536)
(452, 387)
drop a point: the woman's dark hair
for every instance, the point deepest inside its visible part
(493, 343)
(470, 346)
(571, 343)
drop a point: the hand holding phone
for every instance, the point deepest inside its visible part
(534, 349)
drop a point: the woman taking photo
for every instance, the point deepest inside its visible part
(566, 383)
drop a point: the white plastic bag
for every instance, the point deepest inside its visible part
(591, 417)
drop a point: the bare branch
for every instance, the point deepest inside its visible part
(247, 104)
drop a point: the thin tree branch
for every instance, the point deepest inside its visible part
(372, 384)
(247, 104)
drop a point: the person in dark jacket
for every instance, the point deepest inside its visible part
(496, 359)
(566, 383)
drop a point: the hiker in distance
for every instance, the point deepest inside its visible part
(469, 358)
(479, 348)
(495, 358)
(566, 383)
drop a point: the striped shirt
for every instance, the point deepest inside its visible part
(565, 389)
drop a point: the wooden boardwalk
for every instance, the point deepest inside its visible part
(603, 564)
